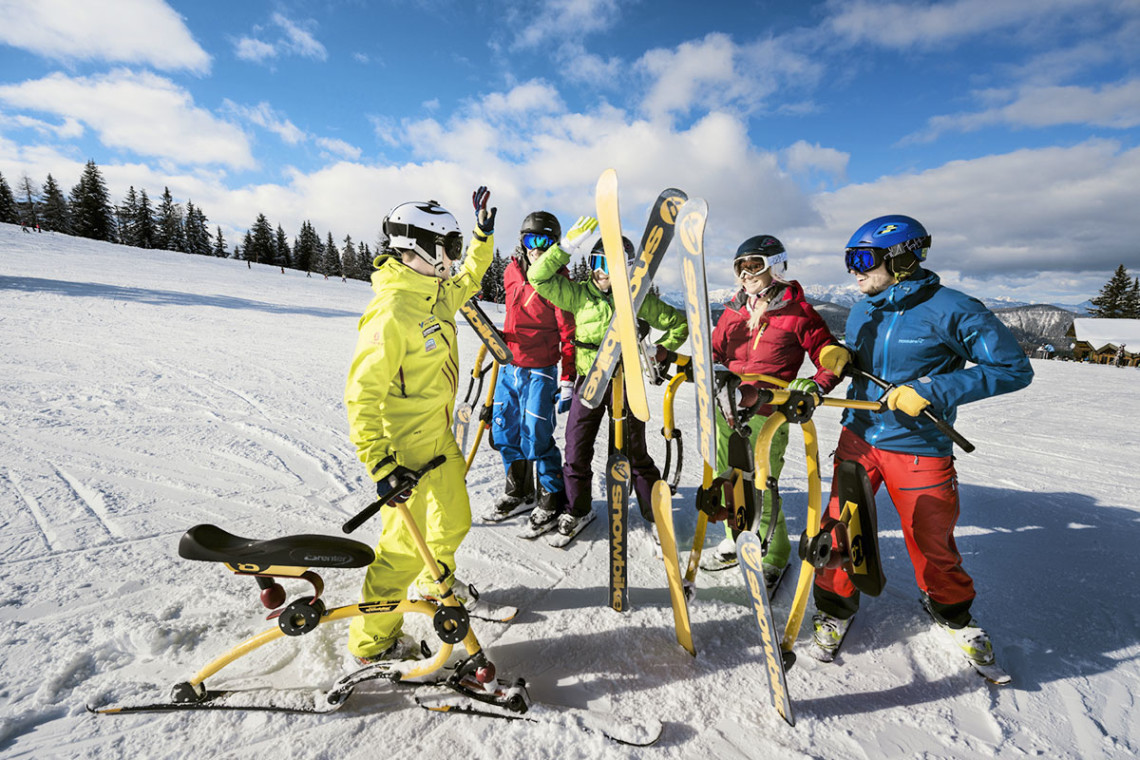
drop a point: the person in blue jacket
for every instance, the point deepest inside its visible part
(940, 348)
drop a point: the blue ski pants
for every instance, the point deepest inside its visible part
(522, 426)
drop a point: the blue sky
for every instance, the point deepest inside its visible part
(1008, 127)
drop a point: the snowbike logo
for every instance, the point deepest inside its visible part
(750, 556)
(669, 209)
(619, 474)
(371, 608)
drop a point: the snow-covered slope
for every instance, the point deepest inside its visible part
(144, 392)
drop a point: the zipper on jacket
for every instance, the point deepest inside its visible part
(882, 426)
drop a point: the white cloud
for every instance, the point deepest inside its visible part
(263, 115)
(715, 73)
(299, 40)
(147, 32)
(295, 38)
(554, 20)
(1115, 106)
(1020, 222)
(338, 148)
(803, 158)
(143, 113)
(911, 24)
(250, 49)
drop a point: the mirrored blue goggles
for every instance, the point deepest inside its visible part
(598, 263)
(535, 242)
(864, 259)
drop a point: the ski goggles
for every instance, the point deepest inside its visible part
(534, 242)
(757, 263)
(598, 263)
(862, 260)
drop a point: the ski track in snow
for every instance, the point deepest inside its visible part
(174, 390)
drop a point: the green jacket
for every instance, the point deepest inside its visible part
(401, 386)
(593, 309)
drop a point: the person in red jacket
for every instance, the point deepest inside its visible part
(540, 336)
(766, 329)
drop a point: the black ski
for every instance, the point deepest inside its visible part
(618, 475)
(487, 332)
(511, 702)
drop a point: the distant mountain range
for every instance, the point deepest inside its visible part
(1032, 324)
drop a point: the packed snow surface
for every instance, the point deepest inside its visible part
(143, 392)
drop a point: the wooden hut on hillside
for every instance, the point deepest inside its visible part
(1106, 341)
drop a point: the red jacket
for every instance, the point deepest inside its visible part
(537, 332)
(789, 328)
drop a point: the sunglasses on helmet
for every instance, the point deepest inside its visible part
(598, 263)
(862, 260)
(534, 242)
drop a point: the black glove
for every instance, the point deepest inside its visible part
(397, 478)
(484, 219)
(662, 360)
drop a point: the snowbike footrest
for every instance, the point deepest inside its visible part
(210, 543)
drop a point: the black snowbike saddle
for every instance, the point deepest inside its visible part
(210, 543)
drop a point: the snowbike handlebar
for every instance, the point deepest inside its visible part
(408, 482)
(943, 426)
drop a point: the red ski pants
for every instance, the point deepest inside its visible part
(925, 494)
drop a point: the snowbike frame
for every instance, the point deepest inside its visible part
(484, 413)
(292, 557)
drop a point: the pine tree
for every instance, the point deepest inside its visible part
(580, 272)
(493, 289)
(306, 247)
(143, 229)
(330, 259)
(127, 212)
(169, 226)
(1112, 303)
(91, 210)
(350, 260)
(366, 258)
(284, 257)
(9, 212)
(246, 247)
(29, 202)
(258, 246)
(197, 234)
(1132, 310)
(56, 216)
(220, 244)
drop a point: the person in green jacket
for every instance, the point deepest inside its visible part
(400, 396)
(592, 306)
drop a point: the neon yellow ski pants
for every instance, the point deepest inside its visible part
(442, 512)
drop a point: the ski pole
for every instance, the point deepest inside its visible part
(409, 481)
(942, 425)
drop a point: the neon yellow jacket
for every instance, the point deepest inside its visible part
(402, 382)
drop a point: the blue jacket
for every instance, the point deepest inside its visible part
(922, 334)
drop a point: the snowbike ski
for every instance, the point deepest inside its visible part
(625, 318)
(654, 242)
(510, 701)
(487, 332)
(663, 520)
(749, 550)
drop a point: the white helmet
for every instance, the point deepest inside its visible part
(428, 230)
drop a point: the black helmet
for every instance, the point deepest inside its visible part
(625, 243)
(541, 223)
(761, 247)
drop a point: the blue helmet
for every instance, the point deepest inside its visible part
(902, 241)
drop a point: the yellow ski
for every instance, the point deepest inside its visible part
(609, 219)
(663, 519)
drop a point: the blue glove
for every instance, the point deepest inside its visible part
(565, 395)
(484, 219)
(395, 478)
